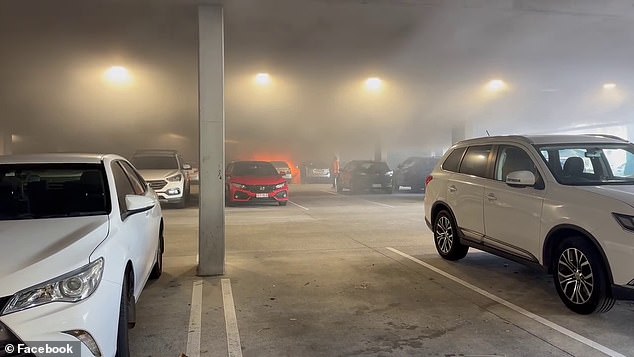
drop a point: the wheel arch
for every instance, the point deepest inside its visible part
(440, 206)
(559, 232)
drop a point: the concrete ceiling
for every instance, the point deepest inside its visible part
(434, 54)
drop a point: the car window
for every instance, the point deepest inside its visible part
(155, 162)
(453, 160)
(510, 159)
(123, 185)
(33, 191)
(137, 183)
(255, 168)
(590, 164)
(476, 160)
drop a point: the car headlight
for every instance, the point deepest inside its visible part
(72, 287)
(281, 185)
(389, 173)
(627, 222)
(238, 185)
(175, 178)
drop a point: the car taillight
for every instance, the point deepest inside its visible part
(428, 180)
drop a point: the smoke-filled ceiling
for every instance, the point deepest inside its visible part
(335, 76)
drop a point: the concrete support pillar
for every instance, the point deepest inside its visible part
(461, 131)
(5, 143)
(211, 240)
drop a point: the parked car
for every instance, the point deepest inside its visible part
(555, 202)
(412, 173)
(255, 181)
(364, 175)
(167, 174)
(81, 235)
(283, 169)
(315, 172)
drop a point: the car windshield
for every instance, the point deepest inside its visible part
(373, 166)
(590, 164)
(31, 191)
(280, 164)
(261, 169)
(155, 162)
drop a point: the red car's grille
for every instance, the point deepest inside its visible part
(260, 188)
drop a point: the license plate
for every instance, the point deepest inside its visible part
(376, 185)
(262, 195)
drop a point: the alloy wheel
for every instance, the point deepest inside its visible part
(575, 275)
(444, 234)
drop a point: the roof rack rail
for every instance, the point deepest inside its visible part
(608, 136)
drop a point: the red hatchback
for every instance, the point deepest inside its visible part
(255, 181)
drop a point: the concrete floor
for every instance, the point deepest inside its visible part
(329, 275)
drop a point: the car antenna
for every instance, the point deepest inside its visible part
(487, 132)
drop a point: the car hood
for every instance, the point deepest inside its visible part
(157, 174)
(623, 193)
(253, 180)
(34, 251)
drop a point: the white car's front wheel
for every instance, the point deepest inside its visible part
(580, 277)
(123, 339)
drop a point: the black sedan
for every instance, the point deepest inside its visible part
(365, 175)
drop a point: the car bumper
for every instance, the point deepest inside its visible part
(239, 195)
(172, 192)
(96, 315)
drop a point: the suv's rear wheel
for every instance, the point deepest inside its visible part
(580, 279)
(446, 237)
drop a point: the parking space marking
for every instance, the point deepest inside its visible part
(514, 307)
(378, 203)
(300, 206)
(233, 335)
(195, 316)
(331, 193)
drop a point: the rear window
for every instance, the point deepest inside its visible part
(476, 160)
(453, 160)
(31, 191)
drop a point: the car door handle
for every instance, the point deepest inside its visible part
(452, 188)
(491, 197)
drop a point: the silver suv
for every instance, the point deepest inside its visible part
(562, 203)
(167, 174)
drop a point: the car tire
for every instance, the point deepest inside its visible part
(339, 186)
(282, 203)
(388, 190)
(123, 336)
(446, 237)
(580, 278)
(395, 187)
(157, 269)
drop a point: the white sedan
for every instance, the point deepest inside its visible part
(80, 236)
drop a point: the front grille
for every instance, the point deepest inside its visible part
(7, 337)
(260, 188)
(157, 184)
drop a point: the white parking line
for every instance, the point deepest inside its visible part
(300, 206)
(514, 307)
(331, 193)
(233, 335)
(195, 315)
(378, 203)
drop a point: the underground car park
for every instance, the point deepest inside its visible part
(511, 246)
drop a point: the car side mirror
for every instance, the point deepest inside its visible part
(520, 179)
(136, 203)
(187, 167)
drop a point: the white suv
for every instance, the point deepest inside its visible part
(167, 173)
(562, 203)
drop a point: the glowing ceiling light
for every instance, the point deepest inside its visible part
(373, 84)
(263, 79)
(118, 75)
(609, 86)
(496, 85)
